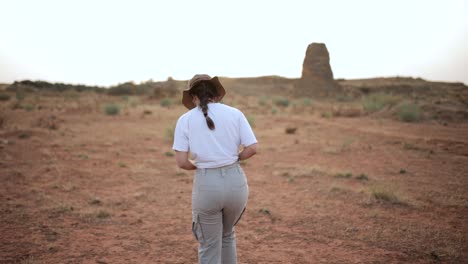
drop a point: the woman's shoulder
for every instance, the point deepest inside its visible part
(186, 115)
(228, 108)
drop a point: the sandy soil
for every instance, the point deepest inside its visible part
(105, 189)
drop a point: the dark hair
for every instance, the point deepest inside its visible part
(206, 92)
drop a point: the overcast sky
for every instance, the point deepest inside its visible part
(109, 42)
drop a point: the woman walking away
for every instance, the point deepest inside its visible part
(212, 132)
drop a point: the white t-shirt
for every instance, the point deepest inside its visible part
(213, 148)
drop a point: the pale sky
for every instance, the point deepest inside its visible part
(108, 42)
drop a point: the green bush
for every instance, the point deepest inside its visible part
(306, 102)
(28, 107)
(281, 101)
(386, 193)
(20, 94)
(165, 102)
(112, 109)
(170, 133)
(327, 114)
(251, 120)
(378, 101)
(409, 112)
(4, 97)
(263, 100)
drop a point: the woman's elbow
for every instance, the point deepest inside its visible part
(253, 149)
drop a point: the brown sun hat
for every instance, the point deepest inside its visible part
(187, 98)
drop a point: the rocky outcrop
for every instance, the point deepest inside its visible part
(317, 76)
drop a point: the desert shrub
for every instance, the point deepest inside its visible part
(263, 100)
(165, 102)
(306, 102)
(71, 95)
(27, 107)
(251, 120)
(95, 201)
(409, 112)
(385, 193)
(378, 101)
(102, 214)
(127, 88)
(274, 110)
(24, 135)
(20, 94)
(281, 101)
(4, 97)
(327, 114)
(170, 133)
(112, 109)
(345, 175)
(362, 177)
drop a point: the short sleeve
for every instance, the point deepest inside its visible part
(247, 136)
(181, 141)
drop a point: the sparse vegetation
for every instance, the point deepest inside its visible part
(62, 209)
(378, 101)
(165, 102)
(264, 211)
(362, 177)
(327, 114)
(306, 102)
(344, 175)
(27, 107)
(281, 101)
(346, 145)
(95, 201)
(385, 193)
(4, 97)
(409, 112)
(101, 214)
(52, 186)
(251, 120)
(112, 109)
(24, 135)
(263, 100)
(170, 133)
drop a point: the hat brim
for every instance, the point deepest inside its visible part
(187, 98)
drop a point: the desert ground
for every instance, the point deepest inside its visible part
(80, 184)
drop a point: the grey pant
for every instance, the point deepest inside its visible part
(219, 197)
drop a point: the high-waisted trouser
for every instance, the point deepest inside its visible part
(219, 197)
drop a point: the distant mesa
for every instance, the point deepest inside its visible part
(317, 76)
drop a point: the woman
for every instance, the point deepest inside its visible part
(212, 132)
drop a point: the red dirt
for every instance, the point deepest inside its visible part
(103, 189)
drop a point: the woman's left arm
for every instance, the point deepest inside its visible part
(183, 162)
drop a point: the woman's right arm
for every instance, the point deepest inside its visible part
(248, 152)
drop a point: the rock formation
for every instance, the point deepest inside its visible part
(317, 76)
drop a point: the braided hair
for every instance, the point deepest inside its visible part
(206, 92)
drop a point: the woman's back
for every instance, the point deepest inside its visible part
(218, 147)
